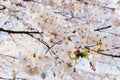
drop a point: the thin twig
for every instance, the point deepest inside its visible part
(108, 7)
(9, 56)
(99, 29)
(117, 56)
(105, 54)
(43, 42)
(3, 78)
(56, 43)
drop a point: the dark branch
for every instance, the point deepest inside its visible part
(117, 56)
(30, 34)
(56, 43)
(108, 8)
(43, 42)
(20, 32)
(99, 29)
(109, 49)
(38, 39)
(3, 78)
(9, 56)
(66, 15)
(111, 55)
(19, 4)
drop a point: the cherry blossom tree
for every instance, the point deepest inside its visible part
(59, 39)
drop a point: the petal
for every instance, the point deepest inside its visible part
(92, 67)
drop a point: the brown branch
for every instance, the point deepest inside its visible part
(3, 78)
(111, 55)
(30, 34)
(9, 56)
(108, 8)
(109, 49)
(20, 32)
(55, 43)
(38, 39)
(19, 4)
(66, 17)
(101, 51)
(44, 43)
(105, 54)
(99, 29)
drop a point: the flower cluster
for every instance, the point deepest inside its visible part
(32, 63)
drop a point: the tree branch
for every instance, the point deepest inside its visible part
(9, 56)
(43, 42)
(20, 32)
(99, 29)
(117, 56)
(11, 78)
(30, 34)
(108, 8)
(101, 51)
(105, 54)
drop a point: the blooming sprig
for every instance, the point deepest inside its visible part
(80, 53)
(83, 53)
